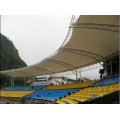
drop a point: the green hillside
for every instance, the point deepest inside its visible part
(9, 58)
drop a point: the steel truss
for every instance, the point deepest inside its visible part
(107, 27)
(70, 30)
(91, 67)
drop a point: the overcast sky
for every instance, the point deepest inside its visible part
(37, 37)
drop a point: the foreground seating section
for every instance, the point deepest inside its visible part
(91, 93)
(15, 93)
(70, 86)
(111, 80)
(26, 88)
(51, 95)
(112, 98)
(70, 101)
(61, 101)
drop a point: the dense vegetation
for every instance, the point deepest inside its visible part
(9, 59)
(9, 55)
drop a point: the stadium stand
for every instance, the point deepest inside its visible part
(112, 98)
(90, 40)
(65, 94)
(61, 101)
(71, 86)
(90, 93)
(70, 101)
(51, 95)
(15, 93)
(24, 88)
(111, 80)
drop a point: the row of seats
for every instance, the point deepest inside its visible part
(107, 81)
(15, 93)
(26, 88)
(112, 98)
(71, 86)
(61, 101)
(51, 95)
(89, 93)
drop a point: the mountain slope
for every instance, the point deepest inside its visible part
(9, 56)
(9, 59)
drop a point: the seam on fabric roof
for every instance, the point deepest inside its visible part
(43, 69)
(93, 24)
(91, 19)
(39, 70)
(25, 72)
(106, 27)
(73, 37)
(116, 20)
(69, 49)
(92, 44)
(81, 54)
(61, 63)
(107, 47)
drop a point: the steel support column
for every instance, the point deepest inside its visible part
(76, 75)
(13, 81)
(111, 66)
(80, 74)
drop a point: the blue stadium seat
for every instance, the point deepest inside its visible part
(107, 81)
(26, 88)
(51, 95)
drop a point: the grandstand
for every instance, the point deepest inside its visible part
(101, 88)
(92, 40)
(15, 93)
(70, 86)
(90, 93)
(107, 81)
(24, 88)
(51, 95)
(61, 94)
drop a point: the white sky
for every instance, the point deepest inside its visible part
(38, 36)
(35, 37)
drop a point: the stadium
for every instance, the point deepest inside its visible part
(92, 42)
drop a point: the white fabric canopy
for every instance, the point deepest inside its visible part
(94, 38)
